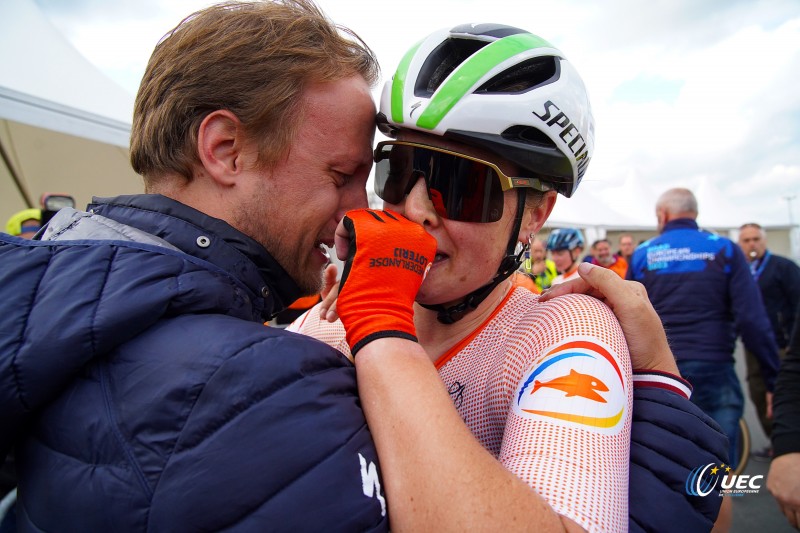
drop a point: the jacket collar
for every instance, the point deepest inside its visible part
(680, 223)
(207, 238)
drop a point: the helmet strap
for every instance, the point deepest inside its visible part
(510, 263)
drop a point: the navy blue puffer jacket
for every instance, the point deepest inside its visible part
(142, 392)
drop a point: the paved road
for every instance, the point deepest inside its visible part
(758, 512)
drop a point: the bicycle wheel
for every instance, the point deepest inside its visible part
(742, 447)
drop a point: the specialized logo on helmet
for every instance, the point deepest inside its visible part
(578, 383)
(569, 133)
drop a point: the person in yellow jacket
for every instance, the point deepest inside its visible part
(24, 223)
(540, 269)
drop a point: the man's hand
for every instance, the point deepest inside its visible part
(783, 481)
(643, 330)
(330, 291)
(387, 257)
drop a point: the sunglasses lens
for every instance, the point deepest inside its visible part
(393, 173)
(461, 189)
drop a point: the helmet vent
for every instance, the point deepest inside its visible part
(442, 61)
(524, 76)
(528, 135)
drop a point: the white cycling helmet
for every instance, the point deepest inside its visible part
(499, 88)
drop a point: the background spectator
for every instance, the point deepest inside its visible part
(778, 279)
(701, 287)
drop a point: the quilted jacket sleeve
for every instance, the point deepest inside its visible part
(271, 446)
(670, 437)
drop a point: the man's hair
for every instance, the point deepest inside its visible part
(251, 58)
(677, 201)
(756, 227)
(598, 241)
(628, 235)
(751, 225)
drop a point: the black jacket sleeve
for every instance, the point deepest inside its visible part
(786, 403)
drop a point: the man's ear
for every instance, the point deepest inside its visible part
(220, 143)
(534, 219)
(662, 216)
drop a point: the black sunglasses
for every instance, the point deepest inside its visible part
(461, 187)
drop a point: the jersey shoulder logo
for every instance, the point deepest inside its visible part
(578, 383)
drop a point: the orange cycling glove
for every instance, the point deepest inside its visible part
(387, 259)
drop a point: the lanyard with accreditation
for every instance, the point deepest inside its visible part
(757, 266)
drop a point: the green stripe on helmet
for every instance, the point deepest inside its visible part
(399, 81)
(469, 72)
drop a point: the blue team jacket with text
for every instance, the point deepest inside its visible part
(701, 287)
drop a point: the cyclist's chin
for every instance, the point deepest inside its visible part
(440, 291)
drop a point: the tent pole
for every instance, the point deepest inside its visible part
(20, 188)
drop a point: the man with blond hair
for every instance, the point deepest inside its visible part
(139, 384)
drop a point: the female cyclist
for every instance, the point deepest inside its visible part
(488, 123)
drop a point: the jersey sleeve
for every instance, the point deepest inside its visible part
(331, 333)
(568, 429)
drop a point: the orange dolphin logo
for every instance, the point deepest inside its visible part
(575, 384)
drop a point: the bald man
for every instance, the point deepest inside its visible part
(700, 285)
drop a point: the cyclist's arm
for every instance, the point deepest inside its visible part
(568, 421)
(437, 475)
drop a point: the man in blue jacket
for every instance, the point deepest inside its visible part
(701, 287)
(778, 278)
(138, 384)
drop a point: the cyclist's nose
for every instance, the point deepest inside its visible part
(418, 206)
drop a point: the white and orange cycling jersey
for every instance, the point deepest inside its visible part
(561, 278)
(546, 388)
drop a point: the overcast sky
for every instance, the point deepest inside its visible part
(697, 93)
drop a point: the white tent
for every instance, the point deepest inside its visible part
(634, 198)
(588, 208)
(64, 126)
(631, 206)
